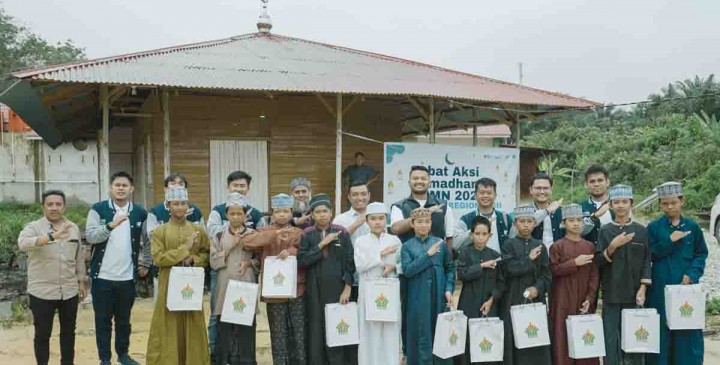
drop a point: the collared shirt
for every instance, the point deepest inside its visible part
(347, 219)
(396, 215)
(54, 269)
(547, 237)
(117, 263)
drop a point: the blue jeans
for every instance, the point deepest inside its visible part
(213, 319)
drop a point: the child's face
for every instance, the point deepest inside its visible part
(282, 216)
(621, 206)
(178, 209)
(322, 215)
(671, 206)
(481, 235)
(525, 226)
(377, 223)
(574, 225)
(236, 216)
(422, 226)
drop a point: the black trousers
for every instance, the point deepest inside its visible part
(234, 344)
(43, 314)
(112, 301)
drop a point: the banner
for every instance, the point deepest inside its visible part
(453, 172)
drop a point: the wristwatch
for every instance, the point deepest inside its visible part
(50, 236)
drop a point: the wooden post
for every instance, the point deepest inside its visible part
(431, 121)
(149, 197)
(338, 152)
(103, 145)
(166, 132)
(475, 135)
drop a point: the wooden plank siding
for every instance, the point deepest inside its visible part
(299, 130)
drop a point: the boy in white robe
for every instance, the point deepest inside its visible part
(376, 254)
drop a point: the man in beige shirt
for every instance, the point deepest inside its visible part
(56, 275)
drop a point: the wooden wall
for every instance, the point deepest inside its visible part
(299, 130)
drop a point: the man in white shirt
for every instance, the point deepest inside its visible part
(353, 220)
(114, 227)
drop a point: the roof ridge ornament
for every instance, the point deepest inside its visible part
(264, 23)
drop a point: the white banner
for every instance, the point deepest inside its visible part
(453, 170)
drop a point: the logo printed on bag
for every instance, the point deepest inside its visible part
(279, 279)
(187, 292)
(453, 338)
(686, 310)
(588, 338)
(239, 305)
(381, 301)
(342, 327)
(641, 335)
(532, 331)
(485, 345)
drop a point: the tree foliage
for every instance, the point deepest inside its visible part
(20, 48)
(643, 146)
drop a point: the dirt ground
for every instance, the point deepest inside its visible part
(16, 343)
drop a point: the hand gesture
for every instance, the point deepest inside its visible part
(554, 206)
(585, 307)
(436, 208)
(449, 298)
(118, 220)
(62, 233)
(602, 210)
(389, 250)
(621, 239)
(434, 249)
(188, 261)
(191, 241)
(492, 264)
(535, 253)
(283, 255)
(679, 235)
(143, 271)
(303, 219)
(487, 306)
(244, 266)
(329, 238)
(583, 260)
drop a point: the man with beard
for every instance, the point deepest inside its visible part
(400, 218)
(301, 191)
(354, 220)
(597, 206)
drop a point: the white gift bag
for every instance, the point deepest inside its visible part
(530, 325)
(640, 330)
(185, 289)
(279, 277)
(240, 303)
(487, 336)
(685, 307)
(341, 324)
(382, 299)
(586, 338)
(450, 334)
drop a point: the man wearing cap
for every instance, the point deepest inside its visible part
(527, 279)
(327, 254)
(678, 257)
(177, 243)
(354, 220)
(623, 257)
(443, 222)
(285, 316)
(375, 257)
(301, 191)
(574, 283)
(430, 273)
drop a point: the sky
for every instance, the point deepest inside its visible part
(609, 51)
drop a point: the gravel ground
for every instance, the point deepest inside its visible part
(711, 279)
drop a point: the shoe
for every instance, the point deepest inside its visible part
(127, 360)
(105, 362)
